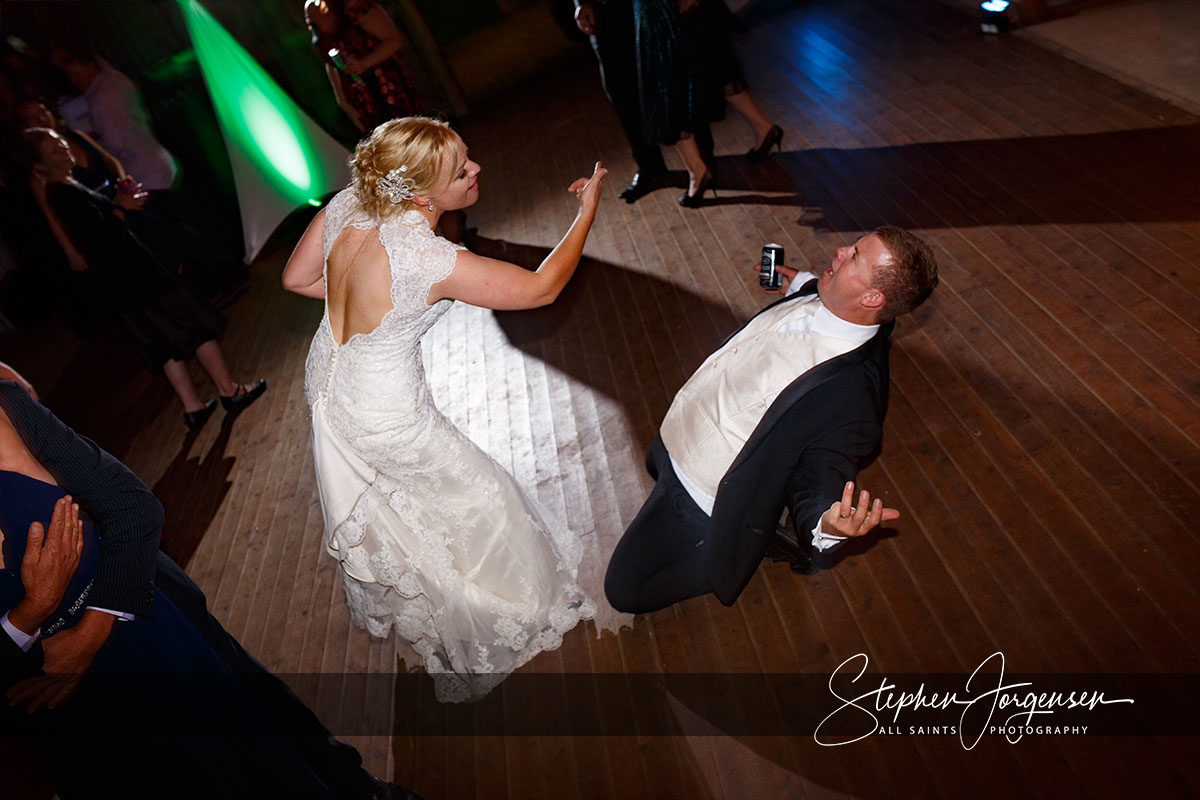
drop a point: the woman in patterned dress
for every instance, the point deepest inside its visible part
(362, 47)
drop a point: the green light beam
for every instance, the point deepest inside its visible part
(255, 114)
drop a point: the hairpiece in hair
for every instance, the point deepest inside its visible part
(397, 187)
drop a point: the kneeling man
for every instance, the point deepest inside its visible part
(782, 414)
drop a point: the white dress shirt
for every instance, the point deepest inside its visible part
(24, 640)
(113, 111)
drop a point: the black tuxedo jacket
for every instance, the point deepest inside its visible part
(816, 435)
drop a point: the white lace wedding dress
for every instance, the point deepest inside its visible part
(435, 539)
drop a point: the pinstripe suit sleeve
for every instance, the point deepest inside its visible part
(127, 515)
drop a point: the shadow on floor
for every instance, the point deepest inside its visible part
(191, 489)
(196, 488)
(633, 337)
(1085, 178)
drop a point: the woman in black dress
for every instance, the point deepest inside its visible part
(94, 167)
(687, 71)
(168, 322)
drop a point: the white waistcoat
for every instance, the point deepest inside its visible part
(713, 415)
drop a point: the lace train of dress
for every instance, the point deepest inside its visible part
(435, 539)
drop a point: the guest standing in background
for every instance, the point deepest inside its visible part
(93, 164)
(362, 48)
(94, 167)
(141, 285)
(609, 26)
(111, 109)
(687, 70)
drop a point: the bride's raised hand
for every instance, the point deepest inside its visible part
(503, 286)
(588, 189)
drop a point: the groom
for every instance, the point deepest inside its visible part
(781, 415)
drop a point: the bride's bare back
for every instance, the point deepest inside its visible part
(358, 283)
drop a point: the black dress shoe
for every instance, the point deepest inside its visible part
(195, 419)
(243, 397)
(696, 200)
(643, 183)
(774, 138)
(782, 546)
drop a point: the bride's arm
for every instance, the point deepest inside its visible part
(304, 272)
(503, 286)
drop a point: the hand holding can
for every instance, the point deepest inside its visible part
(768, 276)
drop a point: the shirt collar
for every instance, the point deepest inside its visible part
(826, 323)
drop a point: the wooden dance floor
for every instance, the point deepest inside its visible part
(1041, 440)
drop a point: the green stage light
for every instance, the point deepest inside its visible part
(256, 116)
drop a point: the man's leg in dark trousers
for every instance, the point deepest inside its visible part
(337, 764)
(615, 50)
(662, 557)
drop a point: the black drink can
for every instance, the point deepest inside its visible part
(768, 277)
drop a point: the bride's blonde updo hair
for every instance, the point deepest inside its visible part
(420, 144)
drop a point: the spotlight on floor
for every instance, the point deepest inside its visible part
(994, 16)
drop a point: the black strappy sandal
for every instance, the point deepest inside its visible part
(243, 397)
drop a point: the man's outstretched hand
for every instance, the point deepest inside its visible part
(844, 519)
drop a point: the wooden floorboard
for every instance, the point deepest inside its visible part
(1042, 442)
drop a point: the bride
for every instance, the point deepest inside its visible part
(434, 538)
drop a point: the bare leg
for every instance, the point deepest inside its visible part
(209, 356)
(746, 106)
(176, 372)
(689, 151)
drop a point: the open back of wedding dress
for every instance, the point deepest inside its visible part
(435, 539)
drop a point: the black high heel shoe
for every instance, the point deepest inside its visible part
(774, 138)
(703, 185)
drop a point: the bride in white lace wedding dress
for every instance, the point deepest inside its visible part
(435, 539)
